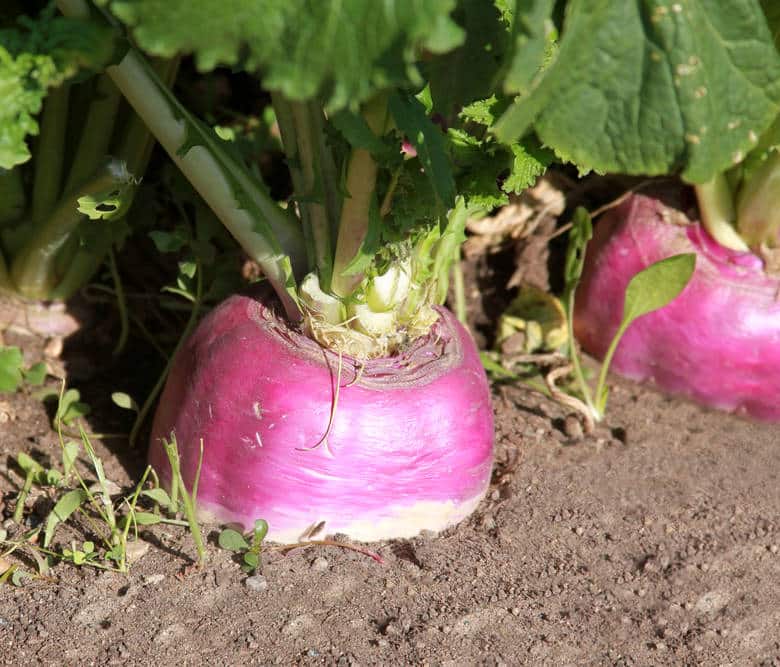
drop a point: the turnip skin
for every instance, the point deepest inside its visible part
(717, 343)
(409, 449)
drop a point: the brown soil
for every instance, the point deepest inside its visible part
(655, 541)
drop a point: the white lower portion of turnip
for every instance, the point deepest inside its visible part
(397, 521)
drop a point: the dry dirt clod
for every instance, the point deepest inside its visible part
(320, 564)
(257, 583)
(573, 428)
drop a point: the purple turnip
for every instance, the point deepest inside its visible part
(298, 435)
(717, 343)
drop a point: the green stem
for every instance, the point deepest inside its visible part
(360, 186)
(601, 385)
(270, 236)
(191, 322)
(353, 224)
(12, 195)
(460, 293)
(758, 205)
(574, 354)
(121, 304)
(308, 131)
(137, 141)
(188, 498)
(96, 135)
(34, 267)
(303, 138)
(83, 265)
(22, 497)
(49, 154)
(716, 206)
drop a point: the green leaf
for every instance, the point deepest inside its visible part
(469, 72)
(532, 33)
(28, 464)
(650, 87)
(356, 131)
(529, 162)
(409, 115)
(344, 51)
(124, 401)
(232, 540)
(70, 407)
(64, 507)
(11, 363)
(70, 451)
(147, 518)
(481, 111)
(259, 532)
(36, 374)
(657, 285)
(37, 55)
(368, 249)
(169, 241)
(251, 560)
(158, 495)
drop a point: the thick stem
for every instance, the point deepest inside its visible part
(33, 268)
(49, 154)
(96, 135)
(361, 182)
(353, 226)
(716, 206)
(12, 195)
(758, 205)
(308, 131)
(267, 233)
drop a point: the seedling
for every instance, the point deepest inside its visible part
(13, 371)
(249, 545)
(188, 497)
(649, 290)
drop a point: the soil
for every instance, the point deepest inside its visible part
(653, 541)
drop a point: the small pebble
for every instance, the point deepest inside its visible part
(320, 564)
(256, 583)
(153, 579)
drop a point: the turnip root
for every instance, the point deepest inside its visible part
(717, 343)
(298, 435)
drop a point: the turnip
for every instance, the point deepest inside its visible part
(718, 342)
(300, 436)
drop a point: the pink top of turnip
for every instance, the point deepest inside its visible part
(718, 342)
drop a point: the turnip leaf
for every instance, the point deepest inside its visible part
(657, 285)
(36, 55)
(410, 117)
(344, 50)
(655, 87)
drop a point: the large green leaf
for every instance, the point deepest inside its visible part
(653, 87)
(469, 72)
(34, 56)
(343, 50)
